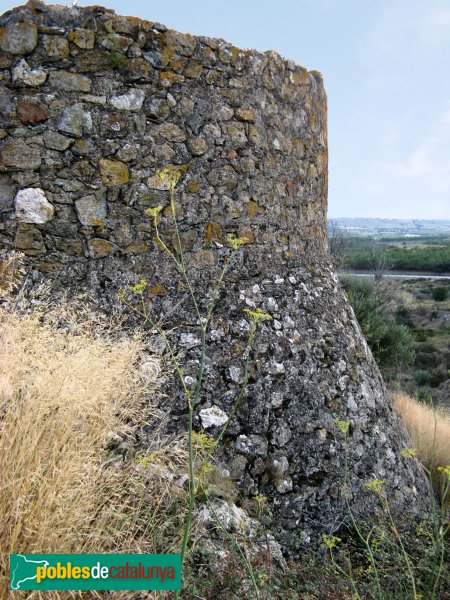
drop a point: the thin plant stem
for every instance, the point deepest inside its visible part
(399, 539)
(204, 326)
(346, 575)
(192, 485)
(193, 398)
(199, 379)
(192, 491)
(239, 395)
(216, 442)
(181, 264)
(168, 345)
(239, 549)
(164, 245)
(437, 519)
(218, 286)
(355, 526)
(442, 537)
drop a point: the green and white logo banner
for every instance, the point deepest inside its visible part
(95, 571)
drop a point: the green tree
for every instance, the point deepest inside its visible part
(390, 342)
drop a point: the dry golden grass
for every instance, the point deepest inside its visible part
(72, 389)
(11, 272)
(429, 430)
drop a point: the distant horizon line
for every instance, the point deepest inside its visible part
(388, 218)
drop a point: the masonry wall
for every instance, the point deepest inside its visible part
(93, 105)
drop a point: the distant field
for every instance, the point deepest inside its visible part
(422, 305)
(404, 256)
(407, 325)
(427, 253)
(394, 227)
(426, 312)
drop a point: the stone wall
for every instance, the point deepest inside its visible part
(93, 104)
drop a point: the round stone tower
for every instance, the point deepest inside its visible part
(93, 105)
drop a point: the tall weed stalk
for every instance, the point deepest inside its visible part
(397, 543)
(170, 177)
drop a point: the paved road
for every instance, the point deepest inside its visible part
(395, 275)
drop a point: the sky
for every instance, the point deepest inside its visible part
(386, 66)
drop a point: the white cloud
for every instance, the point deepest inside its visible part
(434, 28)
(408, 25)
(428, 165)
(404, 172)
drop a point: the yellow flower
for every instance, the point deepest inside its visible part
(260, 500)
(343, 425)
(257, 315)
(408, 453)
(445, 471)
(171, 175)
(330, 541)
(144, 461)
(236, 242)
(376, 485)
(139, 288)
(154, 211)
(380, 537)
(202, 441)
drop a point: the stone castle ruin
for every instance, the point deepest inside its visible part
(93, 105)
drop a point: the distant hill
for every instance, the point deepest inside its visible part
(363, 226)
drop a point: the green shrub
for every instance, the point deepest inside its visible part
(440, 293)
(433, 258)
(437, 377)
(422, 377)
(402, 315)
(423, 395)
(424, 360)
(391, 343)
(428, 348)
(420, 334)
(422, 310)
